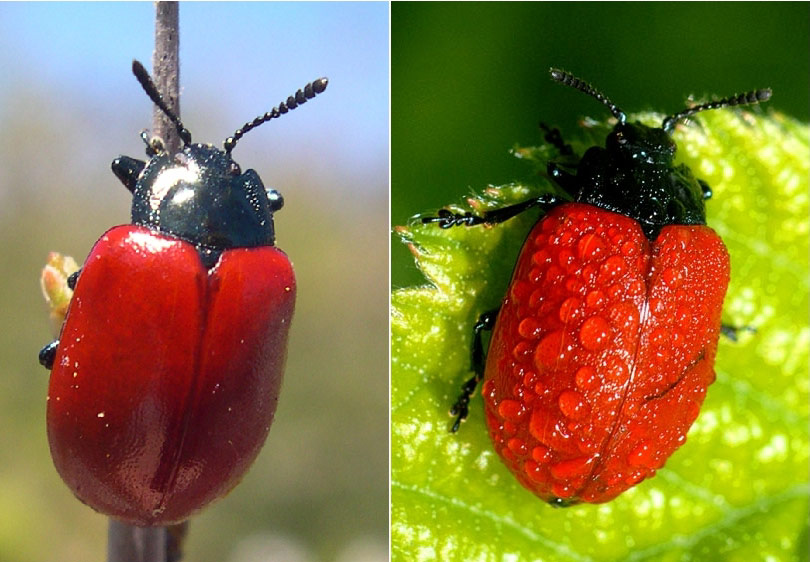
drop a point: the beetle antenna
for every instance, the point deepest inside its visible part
(569, 79)
(151, 90)
(301, 96)
(748, 98)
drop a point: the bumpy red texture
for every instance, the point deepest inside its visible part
(602, 351)
(167, 375)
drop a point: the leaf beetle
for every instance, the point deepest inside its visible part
(603, 347)
(166, 374)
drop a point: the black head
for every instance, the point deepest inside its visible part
(634, 174)
(201, 194)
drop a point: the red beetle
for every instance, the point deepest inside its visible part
(166, 374)
(604, 344)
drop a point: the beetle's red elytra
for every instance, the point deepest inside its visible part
(151, 418)
(603, 350)
(604, 345)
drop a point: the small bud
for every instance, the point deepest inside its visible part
(55, 288)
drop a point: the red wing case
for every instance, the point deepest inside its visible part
(167, 375)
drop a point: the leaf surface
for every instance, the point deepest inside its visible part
(736, 490)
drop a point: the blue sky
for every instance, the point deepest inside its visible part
(240, 57)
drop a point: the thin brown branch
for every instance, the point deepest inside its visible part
(128, 543)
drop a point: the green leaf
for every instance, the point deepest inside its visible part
(737, 490)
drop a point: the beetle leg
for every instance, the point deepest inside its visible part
(72, 278)
(127, 170)
(706, 189)
(448, 219)
(564, 179)
(731, 332)
(47, 354)
(478, 362)
(275, 199)
(554, 138)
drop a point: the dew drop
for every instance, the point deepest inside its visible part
(589, 273)
(534, 471)
(530, 328)
(507, 454)
(511, 410)
(570, 309)
(590, 247)
(536, 298)
(595, 333)
(612, 269)
(624, 315)
(565, 258)
(488, 390)
(509, 429)
(561, 490)
(522, 350)
(549, 350)
(635, 288)
(634, 478)
(554, 275)
(573, 405)
(683, 316)
(595, 299)
(672, 277)
(517, 446)
(541, 454)
(541, 257)
(571, 468)
(630, 249)
(586, 378)
(520, 291)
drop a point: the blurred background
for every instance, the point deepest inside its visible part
(469, 81)
(68, 106)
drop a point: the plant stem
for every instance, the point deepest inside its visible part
(128, 543)
(166, 71)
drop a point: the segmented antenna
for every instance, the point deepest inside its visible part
(151, 90)
(301, 96)
(569, 79)
(748, 98)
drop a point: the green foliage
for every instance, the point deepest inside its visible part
(737, 490)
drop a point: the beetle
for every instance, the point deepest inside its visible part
(166, 374)
(604, 344)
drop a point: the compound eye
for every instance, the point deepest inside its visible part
(234, 169)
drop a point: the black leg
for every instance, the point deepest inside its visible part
(72, 278)
(706, 188)
(127, 170)
(460, 409)
(47, 354)
(554, 138)
(564, 179)
(448, 219)
(731, 332)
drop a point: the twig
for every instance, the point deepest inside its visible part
(166, 71)
(128, 543)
